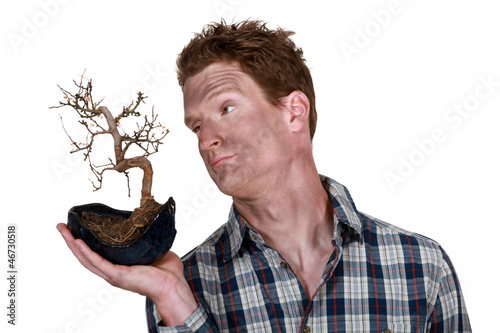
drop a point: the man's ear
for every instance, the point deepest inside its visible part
(298, 106)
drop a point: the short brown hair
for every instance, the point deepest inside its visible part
(270, 57)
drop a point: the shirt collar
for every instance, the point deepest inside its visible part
(232, 238)
(343, 207)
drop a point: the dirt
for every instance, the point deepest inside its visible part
(120, 231)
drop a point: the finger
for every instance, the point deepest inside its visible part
(100, 266)
(69, 239)
(88, 258)
(129, 278)
(73, 245)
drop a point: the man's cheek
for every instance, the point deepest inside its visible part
(263, 136)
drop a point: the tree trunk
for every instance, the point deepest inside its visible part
(113, 130)
(123, 164)
(147, 178)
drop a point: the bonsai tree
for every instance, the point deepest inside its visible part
(147, 137)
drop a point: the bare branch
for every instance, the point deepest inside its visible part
(98, 120)
(130, 110)
(145, 136)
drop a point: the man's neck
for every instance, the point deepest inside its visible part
(296, 220)
(294, 216)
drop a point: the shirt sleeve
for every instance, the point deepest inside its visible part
(199, 321)
(450, 313)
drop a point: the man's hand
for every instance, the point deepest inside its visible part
(162, 281)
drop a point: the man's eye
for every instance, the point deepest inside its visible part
(228, 109)
(196, 129)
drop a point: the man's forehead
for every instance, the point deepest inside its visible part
(219, 85)
(212, 81)
(213, 77)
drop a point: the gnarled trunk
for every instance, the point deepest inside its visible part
(147, 178)
(123, 164)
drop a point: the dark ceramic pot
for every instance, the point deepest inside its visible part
(146, 249)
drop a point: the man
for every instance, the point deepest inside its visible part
(295, 255)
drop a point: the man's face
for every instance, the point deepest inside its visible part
(242, 138)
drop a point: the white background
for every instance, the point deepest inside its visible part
(374, 106)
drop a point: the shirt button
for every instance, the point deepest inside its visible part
(387, 331)
(284, 265)
(307, 329)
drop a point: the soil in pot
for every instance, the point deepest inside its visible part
(118, 230)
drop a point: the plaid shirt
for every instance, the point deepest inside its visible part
(379, 278)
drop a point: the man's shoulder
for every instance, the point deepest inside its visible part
(385, 235)
(208, 247)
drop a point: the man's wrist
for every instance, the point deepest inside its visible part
(175, 310)
(175, 319)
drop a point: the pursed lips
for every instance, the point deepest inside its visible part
(217, 159)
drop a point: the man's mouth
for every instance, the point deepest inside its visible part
(218, 160)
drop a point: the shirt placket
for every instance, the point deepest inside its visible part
(298, 307)
(290, 294)
(311, 320)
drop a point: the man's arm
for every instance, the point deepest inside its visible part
(450, 313)
(199, 321)
(163, 281)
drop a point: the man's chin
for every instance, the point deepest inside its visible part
(227, 184)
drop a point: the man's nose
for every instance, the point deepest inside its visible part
(209, 137)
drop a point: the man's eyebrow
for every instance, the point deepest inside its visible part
(213, 93)
(187, 120)
(215, 90)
